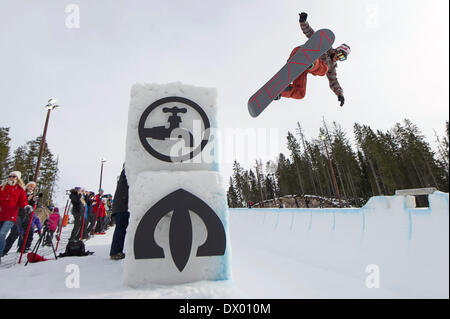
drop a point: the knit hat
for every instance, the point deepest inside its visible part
(56, 210)
(17, 173)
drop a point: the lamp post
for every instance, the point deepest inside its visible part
(50, 106)
(102, 161)
(336, 188)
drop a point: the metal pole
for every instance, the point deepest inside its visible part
(333, 175)
(41, 150)
(101, 176)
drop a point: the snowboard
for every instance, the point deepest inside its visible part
(320, 42)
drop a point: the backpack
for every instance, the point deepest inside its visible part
(75, 248)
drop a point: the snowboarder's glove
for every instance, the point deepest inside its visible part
(303, 16)
(28, 208)
(341, 99)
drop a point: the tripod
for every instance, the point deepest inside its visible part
(38, 244)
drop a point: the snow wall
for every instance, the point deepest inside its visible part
(406, 248)
(178, 226)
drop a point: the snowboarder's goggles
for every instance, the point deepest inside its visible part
(341, 55)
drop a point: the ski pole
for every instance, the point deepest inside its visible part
(62, 220)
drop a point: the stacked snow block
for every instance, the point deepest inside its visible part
(178, 230)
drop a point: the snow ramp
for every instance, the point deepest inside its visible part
(386, 249)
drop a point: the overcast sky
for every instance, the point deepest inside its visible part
(398, 68)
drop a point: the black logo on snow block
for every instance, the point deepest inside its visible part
(180, 229)
(164, 133)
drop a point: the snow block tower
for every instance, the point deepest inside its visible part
(178, 230)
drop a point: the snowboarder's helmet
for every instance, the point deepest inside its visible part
(343, 51)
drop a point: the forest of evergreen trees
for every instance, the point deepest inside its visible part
(24, 159)
(376, 163)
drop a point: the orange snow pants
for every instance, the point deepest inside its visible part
(297, 89)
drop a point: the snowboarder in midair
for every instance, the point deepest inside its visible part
(326, 64)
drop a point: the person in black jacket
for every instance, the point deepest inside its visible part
(121, 216)
(77, 212)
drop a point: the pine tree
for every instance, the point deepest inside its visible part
(241, 184)
(443, 157)
(308, 163)
(25, 160)
(294, 147)
(232, 197)
(286, 175)
(4, 152)
(347, 164)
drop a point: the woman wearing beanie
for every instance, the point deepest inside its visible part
(23, 218)
(12, 197)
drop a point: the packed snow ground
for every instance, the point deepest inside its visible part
(290, 253)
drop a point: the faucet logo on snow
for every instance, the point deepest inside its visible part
(173, 142)
(180, 203)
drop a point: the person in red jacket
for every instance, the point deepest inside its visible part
(95, 207)
(12, 197)
(101, 216)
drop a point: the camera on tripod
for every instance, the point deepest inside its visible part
(45, 226)
(42, 237)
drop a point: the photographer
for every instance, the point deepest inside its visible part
(77, 212)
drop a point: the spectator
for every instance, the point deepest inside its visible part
(101, 212)
(52, 225)
(88, 213)
(35, 222)
(95, 206)
(21, 224)
(296, 202)
(121, 216)
(307, 202)
(91, 216)
(77, 212)
(84, 212)
(12, 197)
(107, 218)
